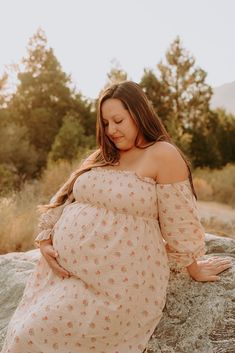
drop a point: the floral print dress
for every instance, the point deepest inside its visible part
(119, 238)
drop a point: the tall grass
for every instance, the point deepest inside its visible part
(18, 219)
(54, 177)
(18, 211)
(216, 185)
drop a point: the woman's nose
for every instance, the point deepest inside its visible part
(112, 129)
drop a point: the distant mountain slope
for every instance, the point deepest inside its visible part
(224, 96)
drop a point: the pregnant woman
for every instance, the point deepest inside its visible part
(109, 238)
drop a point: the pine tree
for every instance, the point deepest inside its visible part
(116, 73)
(158, 94)
(189, 95)
(71, 140)
(44, 97)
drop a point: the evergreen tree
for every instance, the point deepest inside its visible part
(71, 140)
(158, 94)
(42, 95)
(179, 95)
(86, 110)
(43, 98)
(17, 156)
(214, 145)
(204, 147)
(189, 94)
(116, 73)
(225, 135)
(15, 161)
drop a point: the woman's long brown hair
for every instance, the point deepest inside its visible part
(150, 127)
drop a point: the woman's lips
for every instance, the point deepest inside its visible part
(116, 139)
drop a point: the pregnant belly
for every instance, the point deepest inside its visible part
(72, 229)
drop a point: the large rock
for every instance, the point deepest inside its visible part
(14, 271)
(198, 317)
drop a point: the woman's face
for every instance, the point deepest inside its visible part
(119, 125)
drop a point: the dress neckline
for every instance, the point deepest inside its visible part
(130, 172)
(142, 178)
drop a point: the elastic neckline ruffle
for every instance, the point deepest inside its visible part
(143, 178)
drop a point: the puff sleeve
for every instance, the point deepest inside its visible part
(48, 219)
(180, 224)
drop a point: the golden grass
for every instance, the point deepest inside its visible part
(19, 215)
(18, 219)
(219, 227)
(54, 177)
(216, 185)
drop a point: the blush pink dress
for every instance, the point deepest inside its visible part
(119, 239)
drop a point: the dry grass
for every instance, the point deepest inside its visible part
(216, 185)
(18, 219)
(19, 216)
(216, 226)
(219, 226)
(54, 177)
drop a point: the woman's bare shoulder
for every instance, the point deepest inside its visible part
(170, 167)
(160, 147)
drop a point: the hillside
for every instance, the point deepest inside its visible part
(224, 96)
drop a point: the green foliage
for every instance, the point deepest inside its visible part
(181, 98)
(188, 92)
(180, 95)
(158, 94)
(70, 140)
(17, 156)
(225, 135)
(43, 99)
(42, 96)
(204, 148)
(214, 144)
(204, 151)
(86, 110)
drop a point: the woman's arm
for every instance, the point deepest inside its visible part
(179, 219)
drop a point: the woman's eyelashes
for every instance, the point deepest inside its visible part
(116, 122)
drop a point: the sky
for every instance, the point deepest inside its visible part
(89, 35)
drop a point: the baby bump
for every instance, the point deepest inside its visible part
(72, 228)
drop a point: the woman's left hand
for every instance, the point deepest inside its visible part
(208, 270)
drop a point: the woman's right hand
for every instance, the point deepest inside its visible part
(50, 256)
